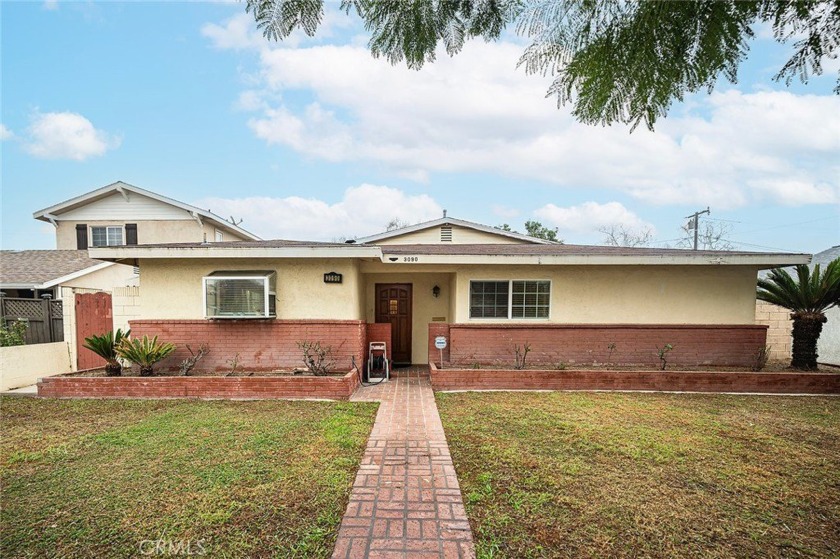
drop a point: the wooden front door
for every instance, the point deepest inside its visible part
(393, 305)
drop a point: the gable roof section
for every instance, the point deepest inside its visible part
(49, 214)
(41, 269)
(452, 221)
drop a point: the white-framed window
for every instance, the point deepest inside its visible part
(239, 295)
(106, 235)
(220, 236)
(510, 299)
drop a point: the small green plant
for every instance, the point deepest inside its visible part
(144, 353)
(316, 357)
(560, 366)
(13, 334)
(234, 363)
(106, 347)
(190, 362)
(520, 355)
(760, 358)
(476, 365)
(611, 348)
(663, 354)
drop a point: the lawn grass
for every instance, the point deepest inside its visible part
(94, 478)
(647, 475)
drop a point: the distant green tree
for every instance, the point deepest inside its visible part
(807, 297)
(504, 227)
(538, 230)
(613, 60)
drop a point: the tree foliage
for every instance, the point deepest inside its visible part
(538, 230)
(711, 236)
(807, 296)
(613, 60)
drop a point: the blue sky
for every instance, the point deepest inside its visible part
(313, 138)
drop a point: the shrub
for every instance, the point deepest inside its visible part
(663, 354)
(760, 358)
(13, 334)
(105, 346)
(520, 355)
(190, 362)
(144, 353)
(316, 357)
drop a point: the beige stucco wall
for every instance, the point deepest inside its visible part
(460, 235)
(24, 365)
(173, 288)
(630, 294)
(148, 232)
(425, 307)
(106, 279)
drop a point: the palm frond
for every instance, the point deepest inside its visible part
(809, 292)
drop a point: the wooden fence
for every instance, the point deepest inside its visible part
(44, 318)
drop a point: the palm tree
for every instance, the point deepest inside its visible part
(807, 297)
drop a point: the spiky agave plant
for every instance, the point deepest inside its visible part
(105, 346)
(807, 297)
(145, 352)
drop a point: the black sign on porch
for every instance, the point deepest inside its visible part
(332, 277)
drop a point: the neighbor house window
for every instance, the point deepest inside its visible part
(510, 299)
(219, 236)
(106, 236)
(240, 294)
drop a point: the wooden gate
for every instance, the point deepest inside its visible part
(93, 317)
(43, 317)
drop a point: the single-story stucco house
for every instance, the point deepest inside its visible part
(484, 289)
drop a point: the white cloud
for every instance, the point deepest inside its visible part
(50, 5)
(364, 210)
(477, 112)
(504, 212)
(589, 216)
(67, 135)
(237, 33)
(5, 133)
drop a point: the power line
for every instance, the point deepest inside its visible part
(788, 225)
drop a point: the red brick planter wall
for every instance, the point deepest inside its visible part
(262, 345)
(666, 381)
(694, 345)
(336, 388)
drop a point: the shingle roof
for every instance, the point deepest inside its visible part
(277, 243)
(553, 249)
(40, 266)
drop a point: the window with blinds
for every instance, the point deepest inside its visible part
(510, 299)
(240, 294)
(104, 236)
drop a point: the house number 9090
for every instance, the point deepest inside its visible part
(410, 259)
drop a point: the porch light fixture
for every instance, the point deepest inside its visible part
(436, 291)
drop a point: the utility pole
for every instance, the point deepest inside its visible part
(694, 221)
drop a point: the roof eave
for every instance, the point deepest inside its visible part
(760, 261)
(215, 250)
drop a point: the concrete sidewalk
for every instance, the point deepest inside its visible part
(405, 501)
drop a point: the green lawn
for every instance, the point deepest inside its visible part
(647, 475)
(94, 478)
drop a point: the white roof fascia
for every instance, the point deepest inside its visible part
(74, 275)
(213, 250)
(451, 221)
(123, 188)
(757, 260)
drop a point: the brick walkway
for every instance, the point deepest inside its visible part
(405, 500)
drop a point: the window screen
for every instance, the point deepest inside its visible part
(489, 299)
